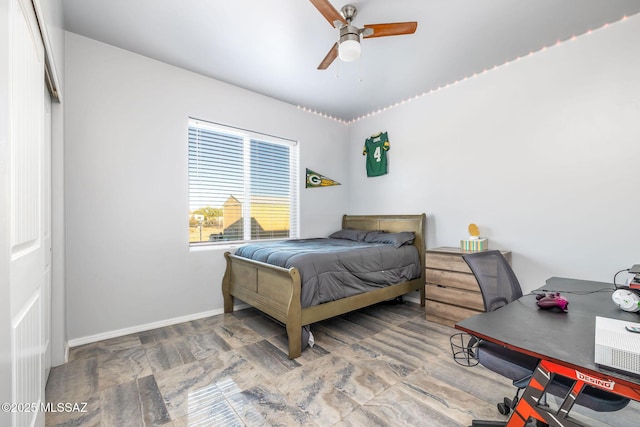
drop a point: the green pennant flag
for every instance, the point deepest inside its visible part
(314, 179)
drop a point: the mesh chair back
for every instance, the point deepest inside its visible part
(498, 283)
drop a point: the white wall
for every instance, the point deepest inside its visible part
(126, 194)
(541, 153)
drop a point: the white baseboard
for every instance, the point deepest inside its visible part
(146, 327)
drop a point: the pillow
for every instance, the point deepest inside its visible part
(395, 239)
(349, 234)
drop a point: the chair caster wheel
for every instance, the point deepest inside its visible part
(511, 403)
(503, 409)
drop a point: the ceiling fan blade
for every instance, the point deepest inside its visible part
(328, 11)
(331, 56)
(394, 29)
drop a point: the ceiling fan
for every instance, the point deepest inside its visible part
(348, 46)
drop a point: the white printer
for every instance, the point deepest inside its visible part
(615, 346)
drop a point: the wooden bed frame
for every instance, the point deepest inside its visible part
(276, 290)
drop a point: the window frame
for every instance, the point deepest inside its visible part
(247, 137)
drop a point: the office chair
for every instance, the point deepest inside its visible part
(499, 286)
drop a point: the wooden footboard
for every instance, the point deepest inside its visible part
(271, 289)
(276, 290)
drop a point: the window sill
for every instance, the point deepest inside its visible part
(205, 248)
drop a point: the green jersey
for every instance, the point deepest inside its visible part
(375, 148)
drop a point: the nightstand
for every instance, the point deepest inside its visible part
(451, 289)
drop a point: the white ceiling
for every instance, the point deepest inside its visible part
(274, 46)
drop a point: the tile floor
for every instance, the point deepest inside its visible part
(383, 365)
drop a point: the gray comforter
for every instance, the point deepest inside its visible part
(331, 269)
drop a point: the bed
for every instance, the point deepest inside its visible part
(276, 290)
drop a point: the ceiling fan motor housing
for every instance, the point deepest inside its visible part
(349, 32)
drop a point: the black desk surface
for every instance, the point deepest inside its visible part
(564, 338)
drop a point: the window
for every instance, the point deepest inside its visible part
(242, 185)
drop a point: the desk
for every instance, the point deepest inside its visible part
(563, 341)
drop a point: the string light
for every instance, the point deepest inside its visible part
(463, 79)
(325, 115)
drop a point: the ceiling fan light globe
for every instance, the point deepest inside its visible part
(349, 50)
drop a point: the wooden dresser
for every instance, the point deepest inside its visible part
(452, 290)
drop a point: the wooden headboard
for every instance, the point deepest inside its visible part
(392, 224)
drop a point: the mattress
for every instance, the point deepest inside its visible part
(331, 269)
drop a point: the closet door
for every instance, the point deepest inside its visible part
(30, 245)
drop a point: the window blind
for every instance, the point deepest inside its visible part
(243, 185)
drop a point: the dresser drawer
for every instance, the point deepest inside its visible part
(438, 310)
(453, 296)
(452, 279)
(443, 261)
